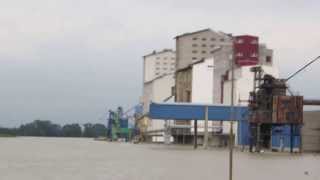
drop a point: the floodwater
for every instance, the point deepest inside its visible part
(86, 159)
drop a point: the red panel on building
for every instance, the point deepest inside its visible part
(246, 50)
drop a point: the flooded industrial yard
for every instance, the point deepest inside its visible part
(83, 159)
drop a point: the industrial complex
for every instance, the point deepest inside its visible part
(214, 86)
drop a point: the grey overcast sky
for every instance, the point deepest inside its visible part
(71, 60)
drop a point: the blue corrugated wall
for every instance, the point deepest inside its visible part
(281, 136)
(181, 111)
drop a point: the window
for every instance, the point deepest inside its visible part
(204, 39)
(203, 52)
(212, 52)
(194, 51)
(172, 58)
(172, 69)
(195, 38)
(157, 57)
(254, 41)
(268, 59)
(194, 45)
(222, 39)
(204, 45)
(157, 68)
(165, 68)
(254, 55)
(194, 58)
(173, 63)
(239, 41)
(213, 39)
(157, 63)
(165, 63)
(212, 45)
(157, 73)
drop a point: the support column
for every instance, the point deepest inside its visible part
(291, 138)
(258, 146)
(251, 137)
(167, 133)
(195, 140)
(206, 136)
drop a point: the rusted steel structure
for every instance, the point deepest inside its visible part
(287, 110)
(269, 103)
(311, 102)
(271, 107)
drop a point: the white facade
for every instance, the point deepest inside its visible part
(157, 90)
(157, 64)
(202, 81)
(243, 84)
(202, 87)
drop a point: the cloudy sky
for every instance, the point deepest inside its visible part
(71, 60)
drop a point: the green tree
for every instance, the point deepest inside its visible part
(40, 128)
(94, 130)
(71, 130)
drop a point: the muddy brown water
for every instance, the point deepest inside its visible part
(85, 159)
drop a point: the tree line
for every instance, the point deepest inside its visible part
(48, 129)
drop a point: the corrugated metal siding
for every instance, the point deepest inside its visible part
(281, 136)
(287, 109)
(243, 133)
(311, 131)
(246, 50)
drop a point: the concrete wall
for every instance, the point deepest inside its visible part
(222, 60)
(158, 63)
(184, 85)
(157, 91)
(202, 82)
(310, 131)
(199, 45)
(244, 83)
(202, 87)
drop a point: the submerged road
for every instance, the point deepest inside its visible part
(86, 159)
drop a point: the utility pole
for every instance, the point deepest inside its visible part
(232, 118)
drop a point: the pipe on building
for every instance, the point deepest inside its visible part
(311, 102)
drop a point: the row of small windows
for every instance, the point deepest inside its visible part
(205, 39)
(165, 63)
(195, 58)
(203, 52)
(203, 45)
(241, 41)
(165, 68)
(165, 58)
(251, 55)
(158, 73)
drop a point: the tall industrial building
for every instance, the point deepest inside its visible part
(158, 83)
(197, 47)
(159, 63)
(203, 44)
(199, 70)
